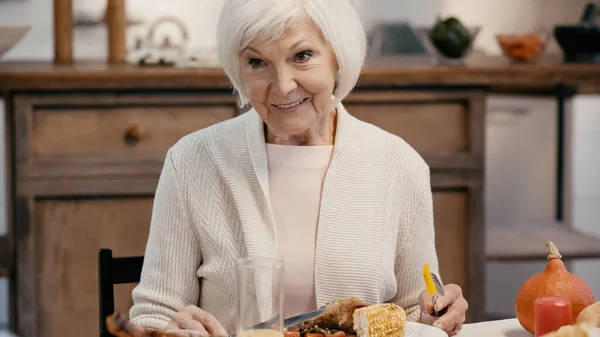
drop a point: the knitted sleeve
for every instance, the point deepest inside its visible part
(416, 240)
(169, 279)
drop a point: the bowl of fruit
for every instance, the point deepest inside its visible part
(525, 47)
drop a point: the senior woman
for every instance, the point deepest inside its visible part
(346, 205)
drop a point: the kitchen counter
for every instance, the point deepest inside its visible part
(494, 72)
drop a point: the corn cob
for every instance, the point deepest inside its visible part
(380, 320)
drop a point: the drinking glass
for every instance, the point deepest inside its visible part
(259, 294)
(551, 313)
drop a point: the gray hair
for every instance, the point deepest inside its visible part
(244, 22)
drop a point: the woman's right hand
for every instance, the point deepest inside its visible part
(197, 320)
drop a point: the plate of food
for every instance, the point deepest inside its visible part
(352, 317)
(421, 330)
(412, 329)
(349, 317)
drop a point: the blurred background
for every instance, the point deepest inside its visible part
(520, 128)
(494, 16)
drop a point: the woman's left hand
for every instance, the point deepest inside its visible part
(455, 316)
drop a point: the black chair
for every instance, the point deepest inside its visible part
(111, 271)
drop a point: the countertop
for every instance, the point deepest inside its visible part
(493, 72)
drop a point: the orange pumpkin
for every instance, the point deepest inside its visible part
(555, 280)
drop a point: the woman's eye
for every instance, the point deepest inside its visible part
(255, 63)
(303, 56)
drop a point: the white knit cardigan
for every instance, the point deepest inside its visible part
(212, 207)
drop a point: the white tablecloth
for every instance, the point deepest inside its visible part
(500, 328)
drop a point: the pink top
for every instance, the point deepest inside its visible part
(296, 176)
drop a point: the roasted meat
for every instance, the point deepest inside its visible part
(353, 317)
(337, 316)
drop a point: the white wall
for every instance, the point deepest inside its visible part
(200, 16)
(494, 15)
(90, 42)
(585, 179)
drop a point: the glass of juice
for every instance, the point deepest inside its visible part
(259, 294)
(551, 313)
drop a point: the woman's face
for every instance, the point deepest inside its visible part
(290, 81)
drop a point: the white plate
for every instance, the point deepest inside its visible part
(421, 330)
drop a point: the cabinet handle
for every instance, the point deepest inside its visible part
(515, 110)
(134, 134)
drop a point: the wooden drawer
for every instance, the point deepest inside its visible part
(431, 128)
(445, 128)
(117, 132)
(100, 131)
(459, 236)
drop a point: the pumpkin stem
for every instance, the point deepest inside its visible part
(553, 252)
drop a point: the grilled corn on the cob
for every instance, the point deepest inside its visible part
(380, 320)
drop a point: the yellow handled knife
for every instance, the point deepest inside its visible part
(434, 288)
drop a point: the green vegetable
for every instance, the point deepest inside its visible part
(321, 331)
(450, 37)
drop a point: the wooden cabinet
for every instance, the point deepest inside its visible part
(87, 168)
(444, 126)
(87, 165)
(451, 217)
(447, 129)
(108, 133)
(114, 132)
(67, 234)
(86, 142)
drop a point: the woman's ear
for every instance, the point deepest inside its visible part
(336, 82)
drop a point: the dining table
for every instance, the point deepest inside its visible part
(498, 328)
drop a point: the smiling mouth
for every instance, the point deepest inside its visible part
(291, 105)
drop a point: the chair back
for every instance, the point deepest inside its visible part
(111, 271)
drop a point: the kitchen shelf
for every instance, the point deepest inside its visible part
(521, 242)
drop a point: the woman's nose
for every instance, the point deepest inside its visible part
(284, 82)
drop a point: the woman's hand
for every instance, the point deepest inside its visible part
(457, 305)
(195, 321)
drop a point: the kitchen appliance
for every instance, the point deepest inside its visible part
(160, 49)
(581, 43)
(163, 50)
(399, 43)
